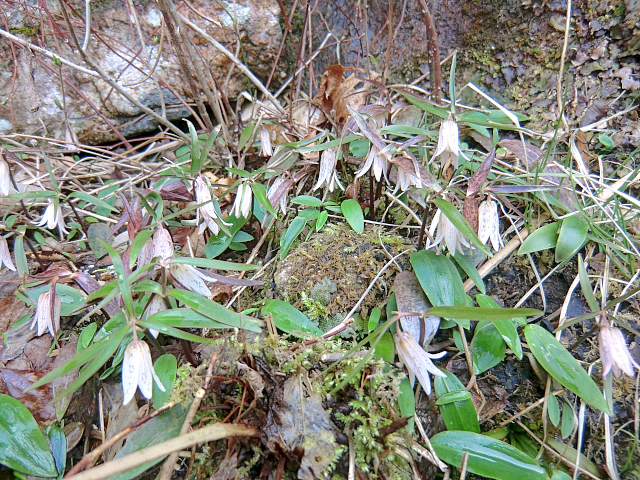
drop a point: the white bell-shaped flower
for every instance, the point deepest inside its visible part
(138, 372)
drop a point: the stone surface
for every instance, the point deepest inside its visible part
(115, 45)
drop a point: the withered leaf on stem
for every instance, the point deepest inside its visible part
(411, 298)
(470, 212)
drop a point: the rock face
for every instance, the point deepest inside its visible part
(32, 87)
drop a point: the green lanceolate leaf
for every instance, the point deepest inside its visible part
(553, 409)
(561, 365)
(439, 279)
(487, 347)
(386, 349)
(585, 286)
(573, 234)
(542, 239)
(488, 314)
(173, 332)
(185, 318)
(461, 224)
(260, 192)
(470, 270)
(353, 214)
(487, 456)
(165, 367)
(507, 328)
(568, 421)
(216, 311)
(210, 263)
(458, 414)
(407, 402)
(291, 234)
(288, 318)
(23, 447)
(137, 244)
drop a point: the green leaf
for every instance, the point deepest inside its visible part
(487, 456)
(386, 349)
(606, 141)
(322, 219)
(568, 421)
(542, 239)
(165, 367)
(290, 235)
(184, 318)
(23, 447)
(147, 286)
(93, 200)
(210, 263)
(309, 214)
(424, 104)
(489, 314)
(216, 311)
(260, 193)
(470, 270)
(561, 365)
(487, 348)
(58, 443)
(245, 136)
(585, 286)
(205, 150)
(461, 224)
(123, 280)
(174, 332)
(453, 397)
(573, 234)
(374, 319)
(461, 414)
(407, 402)
(553, 409)
(86, 336)
(507, 328)
(307, 200)
(288, 318)
(353, 214)
(218, 244)
(21, 257)
(439, 279)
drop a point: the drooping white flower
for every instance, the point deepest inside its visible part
(156, 305)
(448, 141)
(276, 196)
(266, 150)
(445, 230)
(379, 162)
(52, 217)
(207, 210)
(146, 253)
(242, 203)
(138, 372)
(162, 244)
(190, 278)
(615, 354)
(417, 360)
(489, 224)
(5, 180)
(5, 255)
(328, 172)
(47, 314)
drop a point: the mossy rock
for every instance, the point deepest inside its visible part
(345, 260)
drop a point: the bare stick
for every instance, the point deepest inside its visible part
(47, 53)
(434, 53)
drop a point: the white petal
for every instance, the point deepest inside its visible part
(368, 162)
(5, 255)
(131, 366)
(145, 382)
(149, 371)
(489, 223)
(162, 244)
(327, 167)
(189, 280)
(5, 180)
(265, 143)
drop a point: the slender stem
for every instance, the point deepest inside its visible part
(434, 53)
